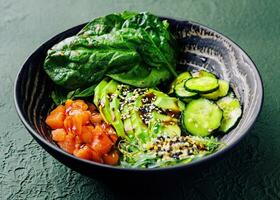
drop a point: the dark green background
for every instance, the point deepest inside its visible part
(250, 171)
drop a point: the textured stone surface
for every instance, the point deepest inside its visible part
(250, 171)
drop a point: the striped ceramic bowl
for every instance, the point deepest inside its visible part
(201, 47)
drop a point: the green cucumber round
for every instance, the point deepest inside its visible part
(231, 112)
(181, 92)
(188, 99)
(201, 117)
(182, 77)
(220, 92)
(204, 84)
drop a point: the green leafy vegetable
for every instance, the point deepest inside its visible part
(60, 95)
(82, 93)
(117, 45)
(165, 151)
(141, 77)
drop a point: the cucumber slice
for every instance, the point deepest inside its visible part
(202, 84)
(182, 77)
(201, 73)
(201, 117)
(231, 112)
(180, 91)
(220, 92)
(188, 99)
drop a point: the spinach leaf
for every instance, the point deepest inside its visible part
(141, 77)
(106, 24)
(74, 63)
(82, 93)
(156, 45)
(102, 25)
(118, 45)
(60, 95)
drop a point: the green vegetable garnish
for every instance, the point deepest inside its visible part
(118, 45)
(166, 151)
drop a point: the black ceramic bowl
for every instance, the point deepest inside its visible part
(201, 47)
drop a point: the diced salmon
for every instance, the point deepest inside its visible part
(68, 144)
(85, 152)
(102, 144)
(68, 105)
(87, 134)
(68, 124)
(110, 130)
(86, 117)
(111, 133)
(114, 138)
(56, 120)
(91, 107)
(77, 121)
(79, 104)
(96, 118)
(58, 109)
(96, 157)
(78, 140)
(111, 158)
(59, 135)
(84, 114)
(98, 130)
(80, 130)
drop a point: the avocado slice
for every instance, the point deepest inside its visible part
(168, 103)
(98, 92)
(171, 130)
(160, 114)
(132, 122)
(164, 125)
(125, 112)
(106, 98)
(128, 128)
(116, 115)
(139, 127)
(164, 118)
(157, 93)
(104, 102)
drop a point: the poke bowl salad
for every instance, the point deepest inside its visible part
(120, 99)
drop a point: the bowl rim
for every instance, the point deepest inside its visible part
(192, 164)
